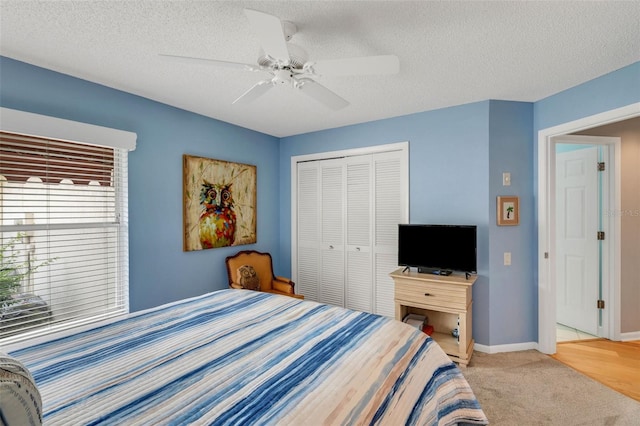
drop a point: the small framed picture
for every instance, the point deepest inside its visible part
(508, 212)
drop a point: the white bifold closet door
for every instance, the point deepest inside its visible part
(308, 230)
(391, 183)
(358, 279)
(348, 211)
(331, 283)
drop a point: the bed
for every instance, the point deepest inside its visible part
(244, 357)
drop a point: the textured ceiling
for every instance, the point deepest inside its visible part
(450, 53)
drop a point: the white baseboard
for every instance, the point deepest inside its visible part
(634, 335)
(512, 347)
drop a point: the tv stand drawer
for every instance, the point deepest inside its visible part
(443, 295)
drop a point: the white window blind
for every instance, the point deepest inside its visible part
(63, 234)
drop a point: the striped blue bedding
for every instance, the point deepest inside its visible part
(243, 357)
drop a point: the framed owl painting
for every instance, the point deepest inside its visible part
(219, 202)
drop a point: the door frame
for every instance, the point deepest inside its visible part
(546, 225)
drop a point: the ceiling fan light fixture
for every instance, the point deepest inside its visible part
(282, 76)
(288, 63)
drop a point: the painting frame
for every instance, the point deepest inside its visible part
(219, 200)
(508, 211)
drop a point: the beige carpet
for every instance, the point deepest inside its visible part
(530, 388)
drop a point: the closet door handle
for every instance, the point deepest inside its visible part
(358, 248)
(428, 294)
(331, 247)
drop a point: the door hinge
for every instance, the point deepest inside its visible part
(600, 235)
(601, 166)
(600, 304)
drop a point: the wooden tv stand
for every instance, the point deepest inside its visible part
(446, 301)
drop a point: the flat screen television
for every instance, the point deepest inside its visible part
(438, 249)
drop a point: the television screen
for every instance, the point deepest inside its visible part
(438, 248)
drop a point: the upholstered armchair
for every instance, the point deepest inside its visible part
(253, 270)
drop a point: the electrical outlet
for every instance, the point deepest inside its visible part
(507, 258)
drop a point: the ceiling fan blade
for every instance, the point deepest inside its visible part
(268, 29)
(368, 65)
(257, 90)
(321, 94)
(205, 61)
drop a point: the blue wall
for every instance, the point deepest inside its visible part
(448, 176)
(513, 295)
(448, 163)
(159, 270)
(457, 156)
(610, 91)
(456, 159)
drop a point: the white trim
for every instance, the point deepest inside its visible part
(30, 124)
(627, 337)
(399, 146)
(513, 347)
(546, 285)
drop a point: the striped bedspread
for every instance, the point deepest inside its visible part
(243, 357)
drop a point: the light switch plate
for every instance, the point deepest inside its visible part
(506, 179)
(507, 258)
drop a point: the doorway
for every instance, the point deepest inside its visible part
(547, 228)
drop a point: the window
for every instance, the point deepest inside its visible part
(63, 225)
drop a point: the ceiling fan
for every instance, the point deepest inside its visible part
(288, 63)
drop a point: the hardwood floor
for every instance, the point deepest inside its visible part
(614, 364)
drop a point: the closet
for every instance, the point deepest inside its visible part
(346, 214)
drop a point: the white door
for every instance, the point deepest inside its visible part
(577, 246)
(332, 276)
(346, 215)
(359, 283)
(308, 230)
(391, 202)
